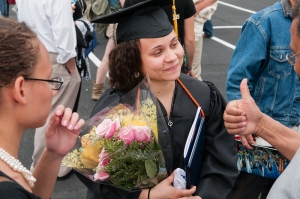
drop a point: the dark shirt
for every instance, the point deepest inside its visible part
(185, 9)
(80, 7)
(219, 170)
(10, 189)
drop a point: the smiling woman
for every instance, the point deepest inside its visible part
(26, 103)
(147, 45)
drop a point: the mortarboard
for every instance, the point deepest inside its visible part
(140, 19)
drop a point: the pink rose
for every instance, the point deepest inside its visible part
(108, 127)
(126, 134)
(102, 175)
(142, 133)
(103, 158)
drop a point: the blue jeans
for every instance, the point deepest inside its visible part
(4, 8)
(208, 28)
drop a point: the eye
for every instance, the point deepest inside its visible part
(157, 52)
(174, 44)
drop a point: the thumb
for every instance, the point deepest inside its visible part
(169, 180)
(244, 89)
(53, 123)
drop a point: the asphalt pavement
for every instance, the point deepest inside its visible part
(217, 51)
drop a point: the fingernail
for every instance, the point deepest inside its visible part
(76, 128)
(65, 123)
(244, 124)
(243, 129)
(70, 127)
(243, 118)
(58, 112)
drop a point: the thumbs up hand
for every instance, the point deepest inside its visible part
(242, 116)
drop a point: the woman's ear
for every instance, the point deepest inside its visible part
(19, 93)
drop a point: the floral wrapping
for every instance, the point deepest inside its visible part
(119, 145)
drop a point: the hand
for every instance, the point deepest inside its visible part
(191, 73)
(63, 130)
(165, 190)
(73, 8)
(70, 66)
(247, 140)
(242, 116)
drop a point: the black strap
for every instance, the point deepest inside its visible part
(86, 25)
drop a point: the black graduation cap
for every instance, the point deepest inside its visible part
(140, 19)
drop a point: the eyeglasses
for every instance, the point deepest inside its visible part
(291, 58)
(55, 83)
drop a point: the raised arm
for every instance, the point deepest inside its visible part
(61, 135)
(243, 117)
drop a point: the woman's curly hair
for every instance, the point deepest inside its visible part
(125, 65)
(19, 50)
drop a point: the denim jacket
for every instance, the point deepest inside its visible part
(260, 56)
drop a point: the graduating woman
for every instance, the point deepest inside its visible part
(147, 44)
(26, 91)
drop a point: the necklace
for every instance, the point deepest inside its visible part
(16, 165)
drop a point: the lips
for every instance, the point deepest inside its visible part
(172, 68)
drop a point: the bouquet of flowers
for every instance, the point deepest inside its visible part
(119, 145)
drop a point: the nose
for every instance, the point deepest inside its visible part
(171, 55)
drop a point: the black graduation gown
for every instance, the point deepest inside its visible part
(219, 170)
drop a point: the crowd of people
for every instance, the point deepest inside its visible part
(41, 76)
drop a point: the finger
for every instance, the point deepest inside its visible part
(169, 180)
(236, 125)
(239, 121)
(235, 131)
(187, 192)
(59, 110)
(79, 124)
(73, 120)
(244, 89)
(232, 109)
(250, 139)
(245, 142)
(66, 117)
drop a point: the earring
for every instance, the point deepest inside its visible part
(136, 74)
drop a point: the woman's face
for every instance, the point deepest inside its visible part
(41, 94)
(162, 57)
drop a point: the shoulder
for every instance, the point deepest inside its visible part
(190, 9)
(288, 181)
(193, 84)
(198, 89)
(268, 13)
(109, 98)
(11, 189)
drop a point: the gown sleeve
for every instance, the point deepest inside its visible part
(219, 170)
(96, 190)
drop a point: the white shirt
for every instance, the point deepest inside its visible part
(52, 20)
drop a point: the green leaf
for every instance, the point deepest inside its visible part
(151, 168)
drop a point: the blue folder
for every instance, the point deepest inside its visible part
(194, 150)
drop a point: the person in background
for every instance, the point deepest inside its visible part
(185, 11)
(4, 8)
(98, 85)
(204, 11)
(81, 26)
(26, 92)
(264, 64)
(155, 50)
(53, 23)
(208, 29)
(243, 117)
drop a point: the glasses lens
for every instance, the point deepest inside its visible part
(56, 85)
(291, 58)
